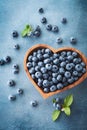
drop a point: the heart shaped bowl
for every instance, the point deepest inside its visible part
(39, 46)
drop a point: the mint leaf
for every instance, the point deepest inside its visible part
(27, 30)
(54, 100)
(67, 111)
(68, 100)
(55, 115)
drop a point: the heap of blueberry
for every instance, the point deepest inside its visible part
(54, 71)
(57, 103)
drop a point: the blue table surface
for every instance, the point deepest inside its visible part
(14, 15)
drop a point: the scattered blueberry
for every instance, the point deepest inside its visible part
(55, 28)
(12, 97)
(7, 59)
(20, 91)
(16, 66)
(44, 20)
(49, 27)
(73, 40)
(16, 46)
(64, 20)
(11, 83)
(15, 34)
(59, 40)
(33, 103)
(2, 62)
(41, 10)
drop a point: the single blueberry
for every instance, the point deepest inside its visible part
(34, 64)
(41, 10)
(76, 60)
(46, 56)
(54, 80)
(40, 63)
(67, 74)
(38, 74)
(64, 20)
(29, 65)
(20, 91)
(78, 67)
(44, 20)
(48, 66)
(43, 51)
(33, 103)
(70, 58)
(59, 40)
(32, 70)
(16, 46)
(63, 53)
(11, 83)
(53, 88)
(33, 76)
(46, 90)
(54, 75)
(84, 70)
(69, 67)
(61, 58)
(30, 58)
(71, 80)
(2, 62)
(38, 28)
(37, 33)
(7, 59)
(39, 51)
(47, 61)
(56, 61)
(64, 80)
(58, 107)
(12, 97)
(15, 66)
(43, 70)
(46, 83)
(63, 64)
(73, 40)
(61, 70)
(54, 68)
(49, 27)
(35, 59)
(75, 78)
(48, 51)
(55, 28)
(45, 76)
(37, 68)
(55, 55)
(59, 77)
(74, 54)
(16, 71)
(69, 53)
(83, 64)
(35, 54)
(15, 34)
(40, 56)
(75, 73)
(59, 86)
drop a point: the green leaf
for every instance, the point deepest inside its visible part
(27, 30)
(55, 115)
(68, 100)
(54, 100)
(67, 111)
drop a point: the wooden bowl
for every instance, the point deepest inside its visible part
(38, 46)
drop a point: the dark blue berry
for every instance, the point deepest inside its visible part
(15, 34)
(41, 10)
(11, 83)
(20, 91)
(64, 20)
(44, 20)
(16, 46)
(2, 62)
(73, 40)
(12, 97)
(55, 28)
(49, 27)
(59, 40)
(33, 103)
(7, 59)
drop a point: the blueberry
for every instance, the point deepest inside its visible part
(37, 68)
(58, 100)
(72, 64)
(12, 97)
(33, 76)
(55, 28)
(54, 68)
(73, 40)
(75, 78)
(56, 61)
(41, 10)
(83, 70)
(58, 107)
(63, 64)
(59, 86)
(38, 28)
(40, 81)
(40, 63)
(83, 64)
(59, 77)
(30, 58)
(43, 51)
(61, 70)
(54, 75)
(79, 59)
(67, 74)
(55, 55)
(39, 51)
(63, 53)
(11, 83)
(64, 80)
(76, 60)
(33, 103)
(15, 66)
(78, 67)
(32, 70)
(55, 80)
(7, 59)
(75, 73)
(46, 56)
(2, 62)
(47, 61)
(37, 33)
(15, 34)
(16, 71)
(46, 90)
(50, 78)
(74, 54)
(44, 20)
(80, 74)
(53, 88)
(34, 64)
(39, 84)
(29, 65)
(48, 66)
(20, 91)
(61, 58)
(38, 74)
(35, 54)
(51, 83)
(16, 46)
(68, 67)
(59, 40)
(65, 84)
(45, 76)
(70, 58)
(35, 59)
(49, 27)
(49, 73)
(64, 20)
(40, 56)
(45, 83)
(71, 80)
(43, 70)
(69, 53)
(48, 51)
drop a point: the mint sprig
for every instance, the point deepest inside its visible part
(65, 107)
(28, 28)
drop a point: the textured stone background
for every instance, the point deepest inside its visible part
(15, 14)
